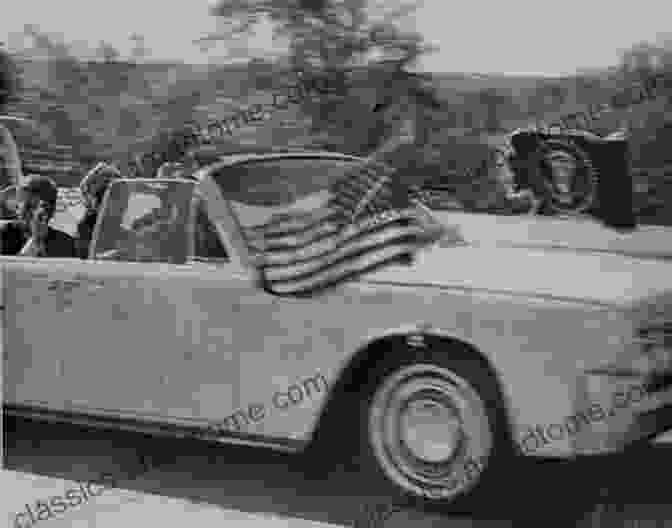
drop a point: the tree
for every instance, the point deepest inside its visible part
(664, 43)
(493, 102)
(357, 50)
(641, 59)
(140, 50)
(557, 93)
(9, 79)
(107, 52)
(43, 42)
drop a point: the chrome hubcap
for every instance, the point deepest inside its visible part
(431, 431)
(426, 427)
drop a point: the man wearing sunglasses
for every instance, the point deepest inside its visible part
(30, 234)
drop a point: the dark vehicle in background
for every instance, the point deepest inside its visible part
(567, 189)
(575, 172)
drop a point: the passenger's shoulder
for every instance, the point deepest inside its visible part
(62, 244)
(8, 225)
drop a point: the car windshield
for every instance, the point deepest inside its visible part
(145, 221)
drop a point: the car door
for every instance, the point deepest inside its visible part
(288, 349)
(118, 337)
(58, 334)
(150, 350)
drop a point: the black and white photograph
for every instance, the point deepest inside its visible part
(335, 264)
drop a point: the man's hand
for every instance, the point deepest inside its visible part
(33, 248)
(39, 228)
(39, 225)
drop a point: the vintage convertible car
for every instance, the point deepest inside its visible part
(430, 375)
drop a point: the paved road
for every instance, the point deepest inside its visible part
(260, 481)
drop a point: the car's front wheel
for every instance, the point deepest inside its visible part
(431, 426)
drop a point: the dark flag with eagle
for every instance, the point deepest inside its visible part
(368, 222)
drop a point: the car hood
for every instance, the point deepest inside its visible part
(577, 234)
(608, 279)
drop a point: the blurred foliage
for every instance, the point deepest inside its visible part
(116, 107)
(355, 48)
(9, 79)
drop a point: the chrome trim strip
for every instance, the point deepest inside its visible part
(660, 340)
(506, 293)
(285, 445)
(616, 372)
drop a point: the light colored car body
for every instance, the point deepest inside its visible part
(180, 347)
(580, 234)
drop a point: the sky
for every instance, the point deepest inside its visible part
(513, 36)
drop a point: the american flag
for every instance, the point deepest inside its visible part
(369, 222)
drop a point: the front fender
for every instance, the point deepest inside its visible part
(372, 348)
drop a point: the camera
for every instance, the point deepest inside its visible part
(575, 172)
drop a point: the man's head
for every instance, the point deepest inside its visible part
(36, 199)
(96, 182)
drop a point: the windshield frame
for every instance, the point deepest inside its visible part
(104, 207)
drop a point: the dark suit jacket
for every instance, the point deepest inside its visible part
(13, 237)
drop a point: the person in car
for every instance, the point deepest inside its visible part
(30, 234)
(8, 203)
(93, 187)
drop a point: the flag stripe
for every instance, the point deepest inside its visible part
(357, 193)
(315, 269)
(346, 270)
(361, 182)
(345, 249)
(359, 177)
(325, 233)
(368, 222)
(320, 232)
(293, 226)
(335, 247)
